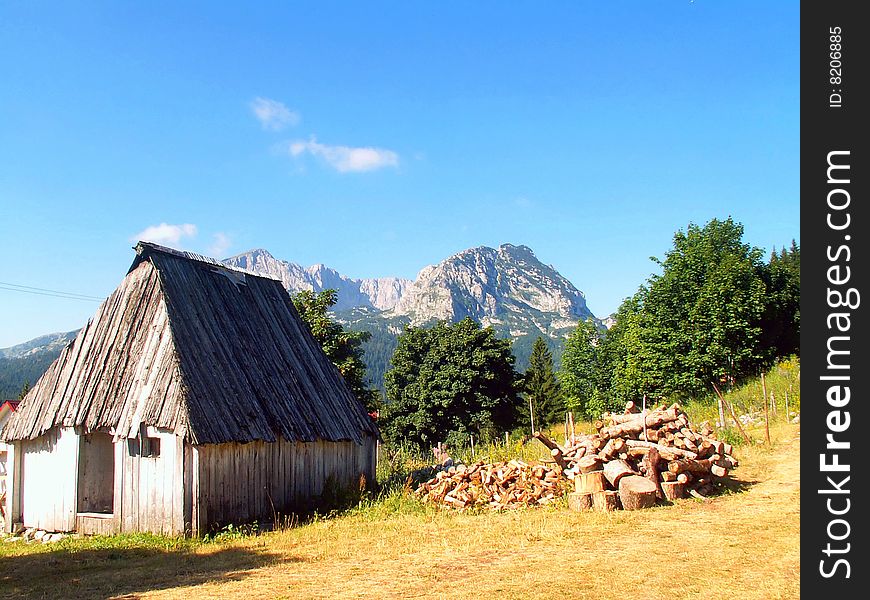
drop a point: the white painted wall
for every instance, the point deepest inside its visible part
(49, 465)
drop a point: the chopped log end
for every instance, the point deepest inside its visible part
(636, 492)
(719, 471)
(589, 464)
(616, 470)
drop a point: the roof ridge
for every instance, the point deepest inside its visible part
(142, 248)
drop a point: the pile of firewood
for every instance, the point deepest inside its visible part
(500, 485)
(634, 460)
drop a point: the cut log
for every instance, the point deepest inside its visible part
(578, 501)
(588, 483)
(718, 446)
(682, 465)
(667, 452)
(560, 460)
(673, 490)
(605, 501)
(616, 470)
(654, 418)
(590, 463)
(668, 476)
(550, 444)
(684, 478)
(631, 407)
(612, 448)
(651, 463)
(636, 492)
(718, 471)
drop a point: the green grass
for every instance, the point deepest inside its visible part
(782, 380)
(390, 546)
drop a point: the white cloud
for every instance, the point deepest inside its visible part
(166, 234)
(346, 159)
(221, 242)
(273, 115)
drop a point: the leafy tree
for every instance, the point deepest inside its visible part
(541, 386)
(701, 318)
(579, 372)
(626, 366)
(450, 378)
(782, 317)
(344, 348)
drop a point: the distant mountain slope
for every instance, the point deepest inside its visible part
(25, 363)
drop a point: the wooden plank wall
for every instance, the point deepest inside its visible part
(96, 473)
(152, 488)
(49, 465)
(236, 483)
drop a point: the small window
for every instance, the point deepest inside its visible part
(150, 447)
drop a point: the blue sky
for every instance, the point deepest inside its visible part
(378, 138)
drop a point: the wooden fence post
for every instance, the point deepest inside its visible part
(766, 424)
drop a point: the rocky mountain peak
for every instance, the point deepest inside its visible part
(494, 286)
(381, 294)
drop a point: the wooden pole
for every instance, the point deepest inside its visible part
(573, 430)
(733, 414)
(472, 445)
(531, 416)
(787, 414)
(567, 439)
(721, 410)
(766, 416)
(643, 412)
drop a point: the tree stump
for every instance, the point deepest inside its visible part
(605, 501)
(673, 490)
(636, 492)
(616, 470)
(587, 483)
(579, 502)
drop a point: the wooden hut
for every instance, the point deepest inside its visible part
(195, 396)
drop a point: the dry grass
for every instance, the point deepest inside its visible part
(740, 545)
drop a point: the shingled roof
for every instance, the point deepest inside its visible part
(185, 343)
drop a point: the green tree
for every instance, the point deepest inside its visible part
(578, 375)
(24, 390)
(450, 379)
(344, 348)
(542, 387)
(781, 325)
(627, 369)
(701, 318)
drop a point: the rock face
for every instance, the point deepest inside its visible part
(381, 294)
(503, 286)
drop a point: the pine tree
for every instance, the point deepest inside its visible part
(541, 385)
